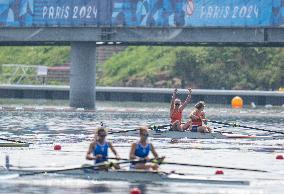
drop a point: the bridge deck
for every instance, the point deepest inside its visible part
(204, 36)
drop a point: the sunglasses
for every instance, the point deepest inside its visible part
(146, 134)
(177, 104)
(102, 135)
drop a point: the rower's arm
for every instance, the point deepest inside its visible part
(89, 155)
(173, 100)
(192, 115)
(132, 152)
(154, 151)
(112, 149)
(204, 119)
(187, 100)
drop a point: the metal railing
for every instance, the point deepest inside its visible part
(30, 74)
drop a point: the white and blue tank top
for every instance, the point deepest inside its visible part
(101, 149)
(141, 151)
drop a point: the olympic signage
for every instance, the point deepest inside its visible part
(141, 13)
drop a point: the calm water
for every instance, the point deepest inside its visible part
(74, 132)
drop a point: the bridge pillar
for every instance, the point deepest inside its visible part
(83, 75)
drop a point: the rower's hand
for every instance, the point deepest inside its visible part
(133, 158)
(189, 91)
(117, 157)
(161, 159)
(98, 156)
(194, 117)
(147, 159)
(175, 93)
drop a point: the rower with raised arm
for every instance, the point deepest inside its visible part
(176, 110)
(198, 119)
(98, 149)
(141, 150)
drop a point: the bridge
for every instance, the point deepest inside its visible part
(86, 25)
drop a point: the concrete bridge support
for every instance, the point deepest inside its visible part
(83, 75)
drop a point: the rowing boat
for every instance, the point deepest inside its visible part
(141, 176)
(194, 135)
(13, 144)
(151, 176)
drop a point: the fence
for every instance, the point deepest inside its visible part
(34, 74)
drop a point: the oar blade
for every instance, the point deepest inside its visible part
(9, 176)
(212, 166)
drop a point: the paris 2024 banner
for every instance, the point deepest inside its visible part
(141, 13)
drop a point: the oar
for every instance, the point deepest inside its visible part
(244, 126)
(156, 127)
(64, 170)
(122, 131)
(212, 166)
(161, 161)
(137, 161)
(93, 167)
(12, 140)
(151, 128)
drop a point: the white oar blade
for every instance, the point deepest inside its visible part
(9, 176)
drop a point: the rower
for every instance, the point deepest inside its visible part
(198, 119)
(176, 111)
(98, 149)
(141, 149)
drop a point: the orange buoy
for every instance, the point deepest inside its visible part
(237, 102)
(135, 191)
(219, 172)
(279, 157)
(57, 147)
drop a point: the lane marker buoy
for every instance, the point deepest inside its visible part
(135, 191)
(279, 157)
(218, 172)
(57, 147)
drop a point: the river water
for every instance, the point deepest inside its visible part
(74, 131)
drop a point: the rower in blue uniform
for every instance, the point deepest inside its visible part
(98, 149)
(141, 150)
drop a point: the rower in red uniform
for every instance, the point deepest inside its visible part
(176, 112)
(198, 118)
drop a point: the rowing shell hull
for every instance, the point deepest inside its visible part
(149, 176)
(13, 144)
(176, 134)
(144, 176)
(195, 135)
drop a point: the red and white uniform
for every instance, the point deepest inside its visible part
(176, 116)
(198, 120)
